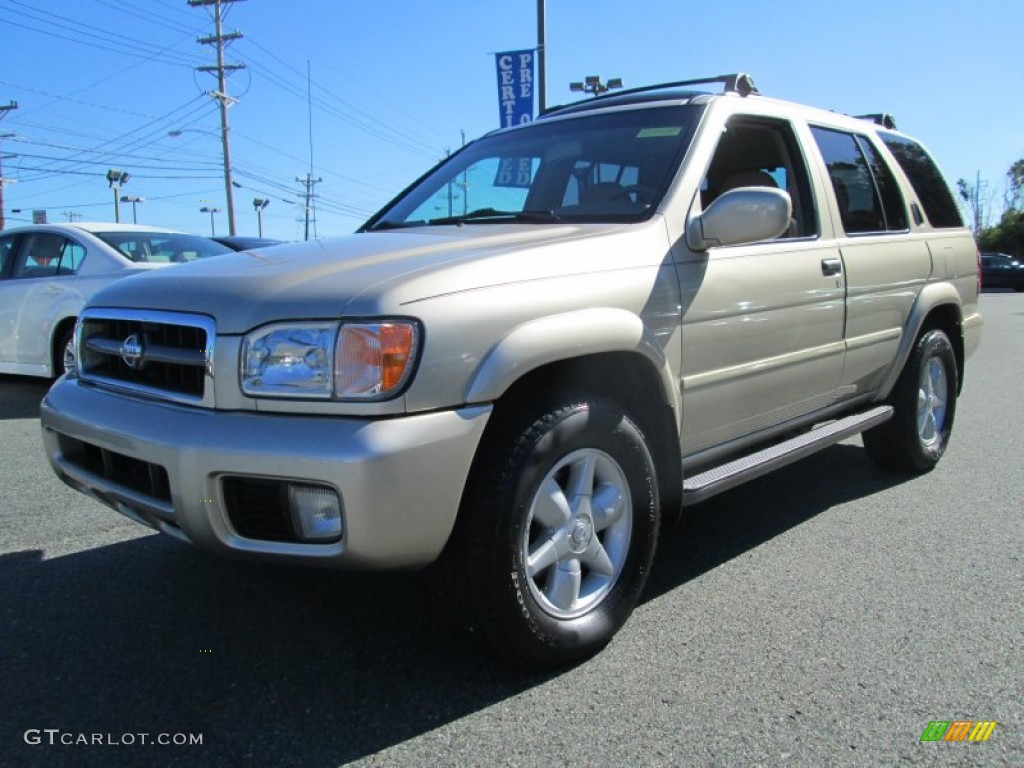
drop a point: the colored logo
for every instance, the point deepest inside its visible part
(958, 730)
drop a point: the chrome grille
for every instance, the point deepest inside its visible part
(161, 354)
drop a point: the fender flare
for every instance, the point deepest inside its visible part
(564, 336)
(932, 296)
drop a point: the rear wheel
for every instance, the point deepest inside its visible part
(557, 532)
(64, 352)
(924, 401)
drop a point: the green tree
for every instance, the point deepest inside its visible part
(1008, 235)
(1015, 185)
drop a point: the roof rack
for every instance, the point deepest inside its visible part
(738, 82)
(883, 119)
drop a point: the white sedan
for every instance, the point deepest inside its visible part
(49, 271)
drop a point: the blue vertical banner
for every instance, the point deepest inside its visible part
(515, 86)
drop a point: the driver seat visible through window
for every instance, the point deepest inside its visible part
(757, 152)
(747, 179)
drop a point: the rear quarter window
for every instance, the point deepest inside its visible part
(938, 202)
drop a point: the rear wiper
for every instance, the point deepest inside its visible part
(485, 215)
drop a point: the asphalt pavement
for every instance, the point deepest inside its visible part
(824, 615)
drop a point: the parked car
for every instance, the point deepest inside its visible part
(1000, 270)
(647, 299)
(244, 242)
(49, 271)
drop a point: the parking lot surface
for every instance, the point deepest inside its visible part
(823, 615)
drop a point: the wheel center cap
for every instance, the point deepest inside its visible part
(580, 534)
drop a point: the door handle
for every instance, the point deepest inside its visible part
(831, 267)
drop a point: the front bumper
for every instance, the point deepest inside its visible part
(400, 480)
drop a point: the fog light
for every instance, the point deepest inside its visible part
(316, 512)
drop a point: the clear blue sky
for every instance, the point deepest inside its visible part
(100, 83)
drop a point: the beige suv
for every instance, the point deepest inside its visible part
(543, 349)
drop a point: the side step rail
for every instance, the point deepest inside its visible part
(717, 479)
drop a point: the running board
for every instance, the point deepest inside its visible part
(722, 478)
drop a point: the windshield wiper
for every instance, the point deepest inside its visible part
(385, 224)
(486, 215)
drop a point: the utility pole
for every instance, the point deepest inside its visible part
(221, 94)
(3, 113)
(542, 99)
(309, 181)
(977, 204)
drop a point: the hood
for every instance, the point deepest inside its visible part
(345, 275)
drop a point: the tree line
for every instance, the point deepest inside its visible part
(1008, 235)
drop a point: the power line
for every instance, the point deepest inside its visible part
(93, 37)
(148, 16)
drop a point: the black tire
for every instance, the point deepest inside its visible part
(569, 609)
(924, 400)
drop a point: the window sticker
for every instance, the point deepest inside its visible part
(660, 132)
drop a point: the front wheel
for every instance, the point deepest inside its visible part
(924, 403)
(557, 532)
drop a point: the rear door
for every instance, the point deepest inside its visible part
(39, 283)
(886, 266)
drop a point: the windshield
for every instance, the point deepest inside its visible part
(608, 167)
(162, 247)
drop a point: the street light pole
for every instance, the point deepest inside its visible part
(259, 204)
(116, 179)
(542, 97)
(133, 201)
(211, 211)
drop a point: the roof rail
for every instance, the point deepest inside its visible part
(883, 119)
(738, 82)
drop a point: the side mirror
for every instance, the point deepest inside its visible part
(742, 215)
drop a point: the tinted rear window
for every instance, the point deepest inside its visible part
(939, 204)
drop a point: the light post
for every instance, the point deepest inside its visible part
(259, 204)
(211, 211)
(592, 84)
(116, 179)
(229, 183)
(133, 201)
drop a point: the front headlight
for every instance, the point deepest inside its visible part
(289, 360)
(351, 361)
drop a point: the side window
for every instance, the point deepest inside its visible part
(893, 206)
(756, 152)
(44, 254)
(866, 191)
(71, 258)
(938, 202)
